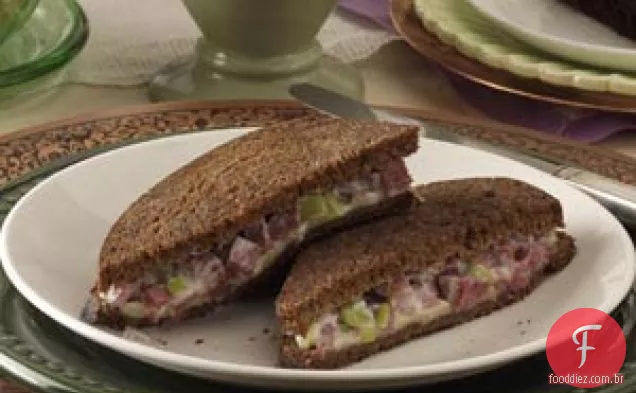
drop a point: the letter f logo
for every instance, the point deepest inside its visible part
(596, 353)
(584, 347)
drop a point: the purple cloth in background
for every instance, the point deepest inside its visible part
(580, 124)
(374, 10)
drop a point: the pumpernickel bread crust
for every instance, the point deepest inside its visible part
(456, 218)
(208, 201)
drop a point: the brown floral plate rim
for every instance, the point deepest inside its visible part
(27, 149)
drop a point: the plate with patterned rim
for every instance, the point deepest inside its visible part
(53, 271)
(459, 24)
(46, 357)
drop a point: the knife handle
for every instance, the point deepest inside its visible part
(619, 198)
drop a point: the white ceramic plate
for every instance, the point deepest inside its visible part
(51, 240)
(560, 30)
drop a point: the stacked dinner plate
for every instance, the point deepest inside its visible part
(546, 49)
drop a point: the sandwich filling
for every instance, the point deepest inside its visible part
(211, 275)
(424, 296)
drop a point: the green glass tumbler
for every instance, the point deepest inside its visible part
(13, 15)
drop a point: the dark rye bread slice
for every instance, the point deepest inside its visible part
(293, 357)
(207, 202)
(457, 217)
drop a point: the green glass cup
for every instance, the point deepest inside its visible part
(13, 15)
(256, 49)
(34, 59)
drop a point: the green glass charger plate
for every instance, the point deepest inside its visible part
(46, 357)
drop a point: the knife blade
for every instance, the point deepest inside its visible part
(619, 198)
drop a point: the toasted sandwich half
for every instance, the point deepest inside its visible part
(210, 230)
(467, 248)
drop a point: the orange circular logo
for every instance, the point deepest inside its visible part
(586, 349)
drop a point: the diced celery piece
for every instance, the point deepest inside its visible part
(134, 310)
(176, 285)
(312, 337)
(357, 315)
(366, 198)
(320, 208)
(368, 334)
(481, 272)
(382, 316)
(313, 334)
(334, 204)
(266, 260)
(301, 342)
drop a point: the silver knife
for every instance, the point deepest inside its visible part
(619, 198)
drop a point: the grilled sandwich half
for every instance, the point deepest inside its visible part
(465, 249)
(212, 229)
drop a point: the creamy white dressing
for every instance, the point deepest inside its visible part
(366, 199)
(266, 260)
(345, 339)
(111, 295)
(423, 315)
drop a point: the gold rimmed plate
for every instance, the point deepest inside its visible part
(409, 26)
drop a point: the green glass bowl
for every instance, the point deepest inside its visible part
(54, 34)
(13, 14)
